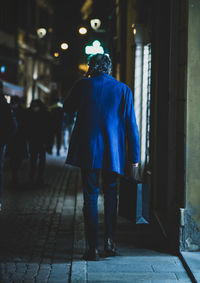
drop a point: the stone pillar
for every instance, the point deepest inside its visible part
(193, 125)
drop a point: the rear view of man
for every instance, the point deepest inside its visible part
(105, 115)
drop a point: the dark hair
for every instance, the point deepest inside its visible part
(99, 63)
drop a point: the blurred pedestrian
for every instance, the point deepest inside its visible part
(8, 126)
(56, 111)
(68, 124)
(17, 148)
(105, 115)
(38, 127)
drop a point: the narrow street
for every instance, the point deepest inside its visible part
(42, 237)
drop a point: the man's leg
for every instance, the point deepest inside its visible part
(110, 208)
(90, 179)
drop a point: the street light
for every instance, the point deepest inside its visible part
(64, 46)
(95, 23)
(82, 30)
(56, 54)
(41, 32)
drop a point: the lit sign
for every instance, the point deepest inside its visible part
(94, 48)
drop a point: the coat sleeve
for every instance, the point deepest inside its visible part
(132, 130)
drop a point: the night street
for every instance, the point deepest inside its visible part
(42, 237)
(99, 141)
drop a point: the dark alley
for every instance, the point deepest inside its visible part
(99, 141)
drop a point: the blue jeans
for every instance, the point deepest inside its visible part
(90, 180)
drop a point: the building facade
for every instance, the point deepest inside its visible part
(25, 52)
(157, 54)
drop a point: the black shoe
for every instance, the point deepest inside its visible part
(91, 255)
(110, 247)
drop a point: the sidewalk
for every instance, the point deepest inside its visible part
(42, 237)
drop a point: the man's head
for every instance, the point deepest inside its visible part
(99, 63)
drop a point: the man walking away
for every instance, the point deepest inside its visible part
(105, 115)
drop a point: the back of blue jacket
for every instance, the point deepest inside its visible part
(105, 116)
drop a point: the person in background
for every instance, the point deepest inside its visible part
(56, 112)
(17, 148)
(38, 128)
(105, 115)
(8, 126)
(68, 124)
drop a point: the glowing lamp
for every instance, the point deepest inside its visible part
(95, 23)
(41, 32)
(56, 54)
(82, 30)
(64, 46)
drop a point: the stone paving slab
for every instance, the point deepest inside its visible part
(170, 267)
(120, 276)
(141, 281)
(137, 257)
(192, 259)
(109, 266)
(79, 271)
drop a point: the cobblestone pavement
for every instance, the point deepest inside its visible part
(42, 237)
(36, 223)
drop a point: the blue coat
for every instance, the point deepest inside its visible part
(105, 114)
